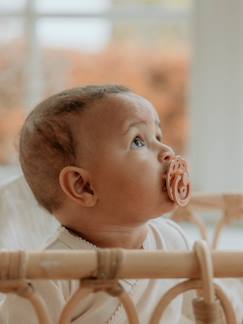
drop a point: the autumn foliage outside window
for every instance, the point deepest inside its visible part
(138, 55)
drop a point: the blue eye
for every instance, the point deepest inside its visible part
(137, 142)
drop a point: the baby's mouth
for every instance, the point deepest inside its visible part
(175, 180)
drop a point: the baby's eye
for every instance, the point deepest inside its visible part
(137, 142)
(158, 137)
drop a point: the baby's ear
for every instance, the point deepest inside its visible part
(76, 184)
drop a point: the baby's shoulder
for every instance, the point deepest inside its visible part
(58, 241)
(171, 234)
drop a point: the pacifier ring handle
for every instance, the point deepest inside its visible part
(178, 185)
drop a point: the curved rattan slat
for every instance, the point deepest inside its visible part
(185, 286)
(111, 287)
(26, 290)
(205, 260)
(40, 308)
(217, 232)
(230, 204)
(68, 309)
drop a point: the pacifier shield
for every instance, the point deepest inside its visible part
(178, 185)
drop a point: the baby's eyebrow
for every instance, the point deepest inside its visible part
(141, 122)
(133, 125)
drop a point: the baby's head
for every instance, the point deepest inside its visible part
(96, 153)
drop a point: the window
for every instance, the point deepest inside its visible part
(50, 45)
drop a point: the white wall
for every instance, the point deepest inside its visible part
(216, 106)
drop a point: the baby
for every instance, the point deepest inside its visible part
(94, 157)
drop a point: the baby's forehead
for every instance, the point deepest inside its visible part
(126, 106)
(113, 114)
(109, 118)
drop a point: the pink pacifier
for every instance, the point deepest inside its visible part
(177, 183)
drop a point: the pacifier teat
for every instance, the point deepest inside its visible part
(177, 182)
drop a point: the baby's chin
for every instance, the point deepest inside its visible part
(168, 205)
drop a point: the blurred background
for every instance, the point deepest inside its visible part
(183, 55)
(49, 45)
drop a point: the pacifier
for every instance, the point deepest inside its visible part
(176, 179)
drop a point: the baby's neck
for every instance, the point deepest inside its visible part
(114, 236)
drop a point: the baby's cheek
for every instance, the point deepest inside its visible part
(146, 184)
(133, 178)
(150, 175)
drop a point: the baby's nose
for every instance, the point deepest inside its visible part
(166, 155)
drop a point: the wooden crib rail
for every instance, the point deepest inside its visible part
(230, 205)
(217, 201)
(76, 264)
(101, 269)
